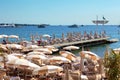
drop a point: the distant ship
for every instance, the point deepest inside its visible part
(3, 25)
(43, 25)
(104, 21)
(73, 26)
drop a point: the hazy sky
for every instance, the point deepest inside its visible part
(59, 11)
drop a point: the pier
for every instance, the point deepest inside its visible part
(75, 38)
(90, 42)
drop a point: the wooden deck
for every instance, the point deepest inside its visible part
(84, 42)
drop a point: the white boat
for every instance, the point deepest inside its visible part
(7, 25)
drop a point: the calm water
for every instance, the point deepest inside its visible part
(24, 32)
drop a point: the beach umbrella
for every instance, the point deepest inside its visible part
(19, 55)
(32, 47)
(11, 57)
(18, 62)
(13, 36)
(11, 60)
(116, 50)
(46, 36)
(52, 48)
(4, 36)
(14, 46)
(36, 53)
(3, 47)
(48, 46)
(42, 57)
(3, 56)
(59, 60)
(23, 63)
(89, 55)
(1, 36)
(44, 50)
(71, 48)
(68, 55)
(47, 69)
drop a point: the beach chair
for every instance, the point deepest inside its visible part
(20, 72)
(10, 71)
(6, 77)
(28, 74)
(15, 78)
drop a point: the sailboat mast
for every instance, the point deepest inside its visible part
(97, 20)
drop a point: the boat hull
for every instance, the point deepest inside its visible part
(100, 21)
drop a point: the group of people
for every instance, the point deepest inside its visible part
(70, 37)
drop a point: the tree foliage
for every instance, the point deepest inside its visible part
(112, 64)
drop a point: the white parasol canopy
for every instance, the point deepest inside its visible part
(3, 36)
(47, 51)
(89, 55)
(19, 55)
(68, 55)
(11, 60)
(23, 63)
(52, 48)
(47, 69)
(116, 50)
(46, 36)
(13, 36)
(11, 57)
(59, 60)
(3, 47)
(71, 48)
(36, 53)
(14, 46)
(36, 57)
(32, 47)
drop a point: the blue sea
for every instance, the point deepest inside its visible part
(24, 32)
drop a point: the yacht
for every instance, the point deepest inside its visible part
(103, 21)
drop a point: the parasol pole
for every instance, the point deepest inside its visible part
(66, 72)
(81, 62)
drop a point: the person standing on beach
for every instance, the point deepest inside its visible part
(4, 41)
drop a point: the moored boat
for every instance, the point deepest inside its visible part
(3, 25)
(41, 26)
(73, 26)
(104, 21)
